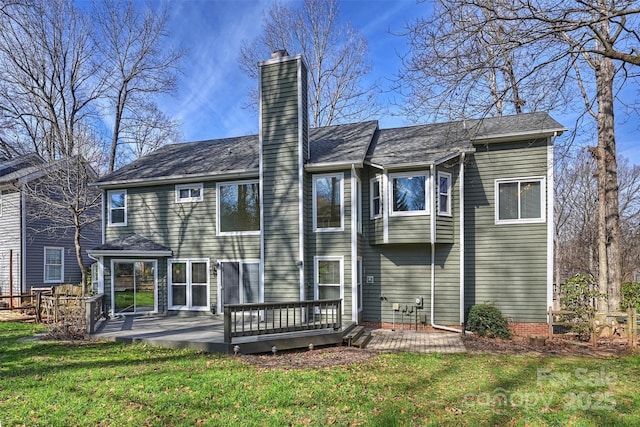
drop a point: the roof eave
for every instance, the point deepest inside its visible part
(116, 253)
(176, 179)
(518, 136)
(329, 166)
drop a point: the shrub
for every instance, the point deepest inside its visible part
(487, 321)
(578, 296)
(630, 295)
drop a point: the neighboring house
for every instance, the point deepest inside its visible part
(408, 224)
(41, 255)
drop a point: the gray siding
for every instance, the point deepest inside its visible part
(280, 149)
(10, 238)
(505, 265)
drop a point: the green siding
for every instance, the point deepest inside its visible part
(280, 177)
(189, 229)
(402, 272)
(330, 243)
(505, 265)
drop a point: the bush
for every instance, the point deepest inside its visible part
(630, 295)
(487, 321)
(578, 296)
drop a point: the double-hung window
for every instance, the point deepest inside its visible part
(328, 277)
(444, 193)
(53, 265)
(520, 200)
(328, 202)
(117, 207)
(238, 207)
(186, 193)
(375, 192)
(408, 193)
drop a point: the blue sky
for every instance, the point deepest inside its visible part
(212, 94)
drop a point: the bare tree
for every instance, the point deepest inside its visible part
(47, 77)
(463, 63)
(55, 75)
(333, 52)
(573, 43)
(61, 187)
(577, 201)
(136, 65)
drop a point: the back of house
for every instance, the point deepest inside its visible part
(409, 225)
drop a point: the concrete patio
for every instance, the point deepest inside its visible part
(206, 333)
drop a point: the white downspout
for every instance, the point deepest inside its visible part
(433, 253)
(23, 241)
(461, 213)
(354, 245)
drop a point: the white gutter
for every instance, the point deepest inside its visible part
(330, 166)
(550, 221)
(23, 248)
(301, 160)
(461, 213)
(176, 179)
(354, 245)
(433, 256)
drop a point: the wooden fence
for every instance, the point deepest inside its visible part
(627, 324)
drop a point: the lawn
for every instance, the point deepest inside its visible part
(58, 384)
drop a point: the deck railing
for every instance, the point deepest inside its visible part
(241, 320)
(95, 309)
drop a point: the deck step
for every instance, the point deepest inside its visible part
(363, 340)
(356, 335)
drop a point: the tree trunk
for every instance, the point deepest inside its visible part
(609, 217)
(79, 259)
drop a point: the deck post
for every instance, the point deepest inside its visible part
(227, 325)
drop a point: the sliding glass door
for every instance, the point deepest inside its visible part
(134, 286)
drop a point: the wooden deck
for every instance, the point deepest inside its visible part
(206, 333)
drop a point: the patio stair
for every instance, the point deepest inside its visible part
(356, 337)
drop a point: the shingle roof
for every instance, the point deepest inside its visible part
(191, 159)
(339, 145)
(14, 169)
(511, 126)
(418, 144)
(331, 144)
(131, 242)
(427, 144)
(342, 143)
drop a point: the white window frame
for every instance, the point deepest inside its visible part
(45, 277)
(375, 183)
(391, 197)
(189, 294)
(519, 220)
(316, 276)
(219, 231)
(447, 209)
(340, 177)
(110, 209)
(191, 198)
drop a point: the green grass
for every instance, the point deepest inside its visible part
(126, 299)
(89, 384)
